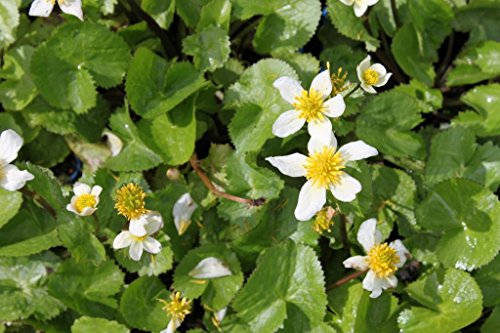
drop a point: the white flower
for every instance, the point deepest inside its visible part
(219, 316)
(210, 268)
(138, 244)
(43, 8)
(309, 106)
(85, 200)
(323, 170)
(374, 75)
(184, 208)
(382, 259)
(360, 6)
(113, 142)
(11, 178)
(138, 226)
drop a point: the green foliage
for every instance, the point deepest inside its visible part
(11, 202)
(89, 325)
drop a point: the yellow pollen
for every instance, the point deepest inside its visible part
(382, 260)
(324, 168)
(309, 105)
(339, 82)
(323, 221)
(370, 77)
(139, 239)
(84, 201)
(130, 201)
(178, 307)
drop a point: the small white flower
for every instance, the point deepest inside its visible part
(43, 8)
(139, 244)
(219, 316)
(360, 6)
(372, 76)
(382, 260)
(210, 268)
(184, 208)
(309, 106)
(113, 142)
(323, 169)
(85, 200)
(138, 226)
(11, 178)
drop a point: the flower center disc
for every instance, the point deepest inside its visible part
(84, 201)
(178, 307)
(309, 105)
(382, 260)
(324, 168)
(370, 76)
(130, 201)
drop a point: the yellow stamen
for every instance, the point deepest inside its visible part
(309, 105)
(323, 221)
(130, 201)
(338, 82)
(370, 76)
(382, 260)
(84, 201)
(184, 224)
(324, 168)
(178, 307)
(139, 239)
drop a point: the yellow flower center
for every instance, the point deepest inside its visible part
(309, 105)
(84, 201)
(178, 307)
(139, 239)
(130, 201)
(370, 76)
(324, 168)
(323, 221)
(382, 260)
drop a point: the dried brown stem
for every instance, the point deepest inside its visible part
(40, 200)
(345, 279)
(211, 187)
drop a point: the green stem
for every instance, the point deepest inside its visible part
(395, 13)
(37, 198)
(96, 224)
(353, 90)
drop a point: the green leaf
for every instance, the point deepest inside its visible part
(209, 47)
(454, 301)
(11, 202)
(45, 185)
(74, 59)
(18, 90)
(216, 293)
(190, 11)
(454, 153)
(468, 217)
(216, 13)
(356, 312)
(266, 298)
(428, 99)
(155, 87)
(87, 288)
(488, 278)
(477, 62)
(91, 325)
(23, 291)
(344, 20)
(386, 124)
(491, 324)
(172, 136)
(9, 20)
(162, 11)
(135, 156)
(51, 157)
(305, 64)
(484, 120)
(258, 104)
(140, 307)
(483, 29)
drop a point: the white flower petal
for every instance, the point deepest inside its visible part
(155, 222)
(10, 143)
(357, 150)
(322, 83)
(151, 245)
(183, 210)
(173, 324)
(311, 200)
(359, 263)
(346, 189)
(379, 68)
(72, 7)
(219, 315)
(210, 268)
(81, 188)
(87, 211)
(287, 124)
(347, 2)
(383, 80)
(369, 89)
(135, 251)
(96, 191)
(401, 250)
(335, 106)
(113, 142)
(360, 8)
(371, 2)
(41, 8)
(182, 226)
(368, 235)
(291, 165)
(13, 179)
(289, 88)
(318, 142)
(372, 283)
(138, 226)
(122, 240)
(321, 128)
(389, 282)
(71, 208)
(362, 67)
